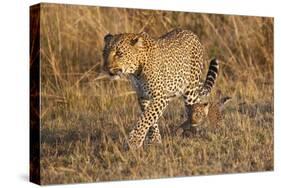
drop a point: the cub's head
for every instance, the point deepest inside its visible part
(199, 113)
(125, 53)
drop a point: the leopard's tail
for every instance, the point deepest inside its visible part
(210, 78)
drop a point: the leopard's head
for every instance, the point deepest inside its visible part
(125, 53)
(199, 113)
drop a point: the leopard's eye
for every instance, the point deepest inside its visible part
(119, 54)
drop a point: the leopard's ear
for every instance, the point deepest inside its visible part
(108, 37)
(206, 107)
(225, 99)
(137, 41)
(143, 33)
(218, 94)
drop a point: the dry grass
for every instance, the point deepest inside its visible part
(85, 118)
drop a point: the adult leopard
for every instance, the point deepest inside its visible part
(160, 69)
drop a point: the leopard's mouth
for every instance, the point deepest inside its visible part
(115, 71)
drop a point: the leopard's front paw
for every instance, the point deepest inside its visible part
(154, 138)
(135, 140)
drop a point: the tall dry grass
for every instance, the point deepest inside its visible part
(85, 118)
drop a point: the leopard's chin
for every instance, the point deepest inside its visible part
(115, 77)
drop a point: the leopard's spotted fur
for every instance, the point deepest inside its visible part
(160, 68)
(208, 112)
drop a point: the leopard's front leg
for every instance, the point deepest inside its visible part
(149, 117)
(153, 133)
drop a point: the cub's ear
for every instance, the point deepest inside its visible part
(225, 99)
(107, 37)
(206, 104)
(137, 41)
(206, 107)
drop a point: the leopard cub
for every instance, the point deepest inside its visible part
(201, 113)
